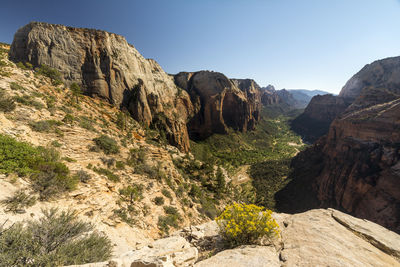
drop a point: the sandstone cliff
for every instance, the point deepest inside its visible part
(219, 103)
(269, 96)
(356, 166)
(314, 238)
(106, 66)
(318, 115)
(381, 73)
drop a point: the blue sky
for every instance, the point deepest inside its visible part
(311, 44)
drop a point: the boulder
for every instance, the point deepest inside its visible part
(255, 256)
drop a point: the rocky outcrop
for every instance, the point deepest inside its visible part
(322, 110)
(313, 238)
(379, 74)
(219, 103)
(269, 96)
(314, 122)
(106, 66)
(357, 164)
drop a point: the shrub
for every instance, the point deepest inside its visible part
(68, 118)
(17, 157)
(159, 201)
(24, 66)
(52, 178)
(165, 222)
(208, 208)
(119, 165)
(166, 193)
(55, 143)
(131, 193)
(108, 161)
(107, 144)
(86, 123)
(51, 73)
(7, 103)
(28, 100)
(76, 91)
(153, 172)
(137, 157)
(109, 174)
(170, 220)
(44, 126)
(242, 224)
(171, 210)
(18, 201)
(83, 176)
(56, 239)
(16, 86)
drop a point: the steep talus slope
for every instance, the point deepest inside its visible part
(314, 238)
(357, 164)
(105, 65)
(219, 104)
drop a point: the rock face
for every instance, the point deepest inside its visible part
(314, 238)
(356, 167)
(269, 96)
(379, 74)
(219, 103)
(106, 66)
(321, 111)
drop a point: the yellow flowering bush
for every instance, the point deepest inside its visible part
(242, 224)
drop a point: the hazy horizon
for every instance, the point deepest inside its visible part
(314, 45)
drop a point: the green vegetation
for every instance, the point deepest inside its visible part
(28, 100)
(76, 91)
(55, 239)
(131, 193)
(242, 224)
(47, 174)
(15, 86)
(86, 123)
(24, 66)
(53, 74)
(166, 193)
(107, 144)
(109, 174)
(18, 202)
(159, 201)
(266, 151)
(83, 176)
(170, 220)
(45, 125)
(7, 103)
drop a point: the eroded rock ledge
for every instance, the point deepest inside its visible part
(314, 238)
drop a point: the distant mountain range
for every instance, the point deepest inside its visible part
(294, 98)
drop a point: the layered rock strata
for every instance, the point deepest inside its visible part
(219, 103)
(356, 167)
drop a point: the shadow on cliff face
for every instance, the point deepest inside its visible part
(298, 195)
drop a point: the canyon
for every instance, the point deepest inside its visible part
(355, 166)
(192, 143)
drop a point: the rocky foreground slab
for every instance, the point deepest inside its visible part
(317, 237)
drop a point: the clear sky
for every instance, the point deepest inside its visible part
(310, 44)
